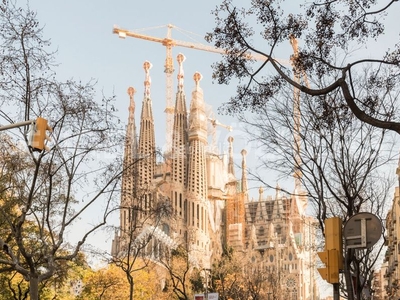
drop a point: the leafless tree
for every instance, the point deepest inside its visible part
(339, 160)
(46, 195)
(326, 29)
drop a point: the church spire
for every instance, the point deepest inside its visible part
(147, 138)
(197, 141)
(180, 58)
(198, 205)
(179, 135)
(129, 180)
(231, 169)
(130, 152)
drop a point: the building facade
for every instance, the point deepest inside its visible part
(211, 207)
(391, 269)
(380, 283)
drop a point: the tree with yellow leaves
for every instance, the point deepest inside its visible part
(110, 283)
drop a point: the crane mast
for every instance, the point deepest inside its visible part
(169, 109)
(297, 115)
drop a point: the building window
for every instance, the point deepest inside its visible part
(261, 231)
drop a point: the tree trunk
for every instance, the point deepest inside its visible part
(131, 284)
(34, 287)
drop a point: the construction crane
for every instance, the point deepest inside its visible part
(168, 42)
(214, 124)
(297, 114)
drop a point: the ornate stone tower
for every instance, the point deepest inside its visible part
(129, 178)
(146, 149)
(212, 209)
(179, 158)
(197, 186)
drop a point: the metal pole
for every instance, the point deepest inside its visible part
(336, 295)
(15, 125)
(347, 273)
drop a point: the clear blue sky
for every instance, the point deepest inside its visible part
(82, 31)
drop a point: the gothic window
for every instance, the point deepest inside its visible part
(202, 212)
(261, 231)
(197, 214)
(180, 204)
(269, 207)
(185, 212)
(192, 214)
(165, 228)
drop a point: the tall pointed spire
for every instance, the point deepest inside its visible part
(179, 135)
(147, 110)
(198, 141)
(129, 180)
(231, 169)
(198, 212)
(130, 154)
(147, 137)
(180, 58)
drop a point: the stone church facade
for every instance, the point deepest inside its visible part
(211, 206)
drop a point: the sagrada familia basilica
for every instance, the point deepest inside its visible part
(211, 206)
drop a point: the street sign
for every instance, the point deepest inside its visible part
(362, 230)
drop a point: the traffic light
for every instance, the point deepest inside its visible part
(331, 260)
(37, 136)
(324, 272)
(333, 237)
(332, 257)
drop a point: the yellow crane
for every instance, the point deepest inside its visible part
(168, 42)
